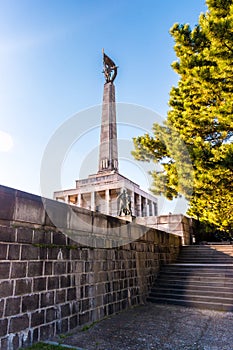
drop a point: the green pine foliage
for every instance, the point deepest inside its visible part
(195, 144)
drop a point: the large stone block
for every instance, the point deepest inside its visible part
(14, 252)
(29, 208)
(6, 288)
(99, 224)
(3, 252)
(59, 238)
(30, 252)
(37, 318)
(60, 268)
(60, 296)
(7, 203)
(39, 284)
(3, 327)
(18, 270)
(24, 235)
(13, 306)
(23, 286)
(35, 268)
(30, 302)
(53, 282)
(51, 314)
(7, 234)
(19, 323)
(57, 214)
(41, 236)
(47, 330)
(47, 299)
(80, 220)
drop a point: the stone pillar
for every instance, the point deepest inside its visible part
(93, 201)
(139, 205)
(155, 209)
(150, 208)
(132, 203)
(107, 200)
(146, 207)
(66, 198)
(108, 152)
(79, 201)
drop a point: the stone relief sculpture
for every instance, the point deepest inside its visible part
(110, 69)
(124, 203)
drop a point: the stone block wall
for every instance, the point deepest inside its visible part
(177, 224)
(55, 278)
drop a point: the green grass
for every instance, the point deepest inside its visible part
(43, 346)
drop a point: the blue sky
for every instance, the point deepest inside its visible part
(51, 68)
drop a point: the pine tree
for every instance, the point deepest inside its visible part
(194, 146)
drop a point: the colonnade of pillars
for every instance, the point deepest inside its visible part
(107, 203)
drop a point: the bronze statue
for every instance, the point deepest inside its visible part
(110, 69)
(124, 203)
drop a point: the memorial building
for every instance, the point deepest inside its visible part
(108, 191)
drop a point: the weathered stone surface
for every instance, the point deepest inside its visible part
(48, 287)
(37, 318)
(29, 208)
(3, 252)
(13, 252)
(5, 270)
(30, 302)
(178, 225)
(60, 268)
(35, 268)
(23, 286)
(57, 214)
(24, 235)
(7, 234)
(30, 252)
(7, 205)
(47, 299)
(18, 323)
(39, 284)
(13, 306)
(3, 327)
(1, 308)
(53, 282)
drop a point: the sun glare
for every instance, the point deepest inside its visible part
(6, 142)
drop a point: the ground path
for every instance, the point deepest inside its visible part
(157, 327)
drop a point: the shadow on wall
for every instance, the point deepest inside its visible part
(63, 266)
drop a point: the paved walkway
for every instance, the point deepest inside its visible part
(157, 327)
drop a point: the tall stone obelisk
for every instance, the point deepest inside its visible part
(108, 152)
(108, 191)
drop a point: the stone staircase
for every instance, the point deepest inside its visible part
(202, 277)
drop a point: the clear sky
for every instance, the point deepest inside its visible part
(51, 68)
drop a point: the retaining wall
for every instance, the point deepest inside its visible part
(176, 224)
(63, 266)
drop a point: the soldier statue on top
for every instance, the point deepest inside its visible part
(110, 69)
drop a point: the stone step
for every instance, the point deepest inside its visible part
(207, 255)
(192, 297)
(195, 304)
(198, 266)
(207, 250)
(201, 292)
(207, 246)
(198, 273)
(215, 259)
(179, 284)
(202, 277)
(198, 277)
(203, 261)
